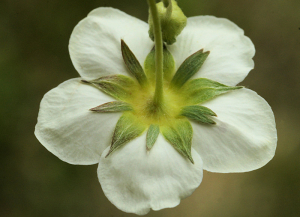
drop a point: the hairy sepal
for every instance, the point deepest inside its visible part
(115, 106)
(168, 65)
(198, 113)
(180, 134)
(118, 86)
(133, 64)
(202, 89)
(128, 127)
(152, 135)
(188, 68)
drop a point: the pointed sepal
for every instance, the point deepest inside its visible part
(198, 113)
(133, 64)
(152, 135)
(115, 106)
(202, 89)
(168, 65)
(117, 86)
(180, 134)
(128, 128)
(188, 68)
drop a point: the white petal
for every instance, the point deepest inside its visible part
(68, 129)
(135, 180)
(231, 52)
(244, 137)
(95, 44)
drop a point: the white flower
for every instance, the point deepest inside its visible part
(136, 180)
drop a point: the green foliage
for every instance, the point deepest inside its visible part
(198, 113)
(115, 106)
(168, 65)
(188, 68)
(202, 89)
(180, 134)
(117, 86)
(128, 127)
(133, 64)
(152, 135)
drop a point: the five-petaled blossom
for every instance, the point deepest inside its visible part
(213, 124)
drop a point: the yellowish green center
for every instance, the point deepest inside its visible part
(147, 112)
(167, 111)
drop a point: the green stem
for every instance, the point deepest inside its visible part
(158, 95)
(166, 3)
(169, 6)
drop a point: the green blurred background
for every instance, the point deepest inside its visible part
(34, 58)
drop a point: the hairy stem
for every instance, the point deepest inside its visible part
(158, 95)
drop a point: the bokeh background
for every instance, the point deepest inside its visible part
(34, 58)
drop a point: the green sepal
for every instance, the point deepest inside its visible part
(128, 127)
(117, 86)
(188, 68)
(198, 113)
(168, 65)
(202, 89)
(152, 135)
(133, 64)
(115, 106)
(180, 134)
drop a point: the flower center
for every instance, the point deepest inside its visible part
(148, 112)
(159, 99)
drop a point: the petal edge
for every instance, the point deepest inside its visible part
(231, 52)
(244, 138)
(68, 129)
(135, 180)
(95, 43)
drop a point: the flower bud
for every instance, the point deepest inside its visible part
(172, 21)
